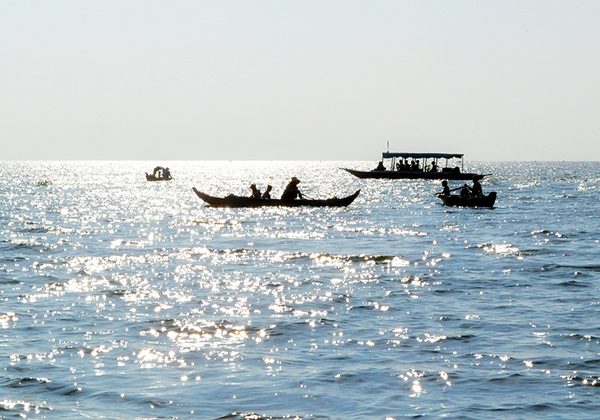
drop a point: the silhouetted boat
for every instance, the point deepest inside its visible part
(150, 177)
(424, 171)
(237, 201)
(457, 200)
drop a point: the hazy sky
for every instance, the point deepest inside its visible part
(323, 80)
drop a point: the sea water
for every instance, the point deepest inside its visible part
(122, 298)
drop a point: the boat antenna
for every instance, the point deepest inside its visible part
(388, 146)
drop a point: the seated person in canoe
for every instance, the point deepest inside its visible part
(255, 191)
(291, 192)
(267, 194)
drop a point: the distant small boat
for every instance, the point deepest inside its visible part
(457, 200)
(237, 201)
(150, 177)
(398, 170)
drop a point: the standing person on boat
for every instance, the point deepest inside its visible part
(267, 194)
(291, 192)
(476, 189)
(255, 191)
(433, 167)
(166, 173)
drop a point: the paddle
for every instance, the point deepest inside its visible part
(453, 189)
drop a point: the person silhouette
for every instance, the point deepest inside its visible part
(291, 191)
(465, 191)
(476, 189)
(255, 191)
(267, 194)
(446, 190)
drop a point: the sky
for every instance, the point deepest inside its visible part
(299, 79)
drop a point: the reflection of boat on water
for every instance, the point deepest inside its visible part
(237, 201)
(399, 168)
(150, 177)
(480, 201)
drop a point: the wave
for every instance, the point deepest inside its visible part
(43, 384)
(593, 381)
(23, 409)
(255, 416)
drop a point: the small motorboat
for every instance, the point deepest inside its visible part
(150, 177)
(472, 201)
(159, 174)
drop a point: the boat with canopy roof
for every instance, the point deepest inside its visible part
(395, 165)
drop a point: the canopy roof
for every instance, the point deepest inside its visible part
(389, 155)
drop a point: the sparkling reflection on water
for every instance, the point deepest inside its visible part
(126, 298)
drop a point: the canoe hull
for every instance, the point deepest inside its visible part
(235, 201)
(456, 200)
(413, 175)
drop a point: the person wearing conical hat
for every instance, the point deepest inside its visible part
(291, 192)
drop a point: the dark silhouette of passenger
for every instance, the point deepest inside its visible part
(255, 191)
(465, 191)
(291, 191)
(166, 173)
(267, 194)
(380, 166)
(476, 189)
(434, 167)
(446, 190)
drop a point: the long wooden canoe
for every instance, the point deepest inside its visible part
(237, 201)
(457, 200)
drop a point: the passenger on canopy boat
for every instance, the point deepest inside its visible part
(291, 191)
(434, 167)
(166, 173)
(255, 191)
(380, 166)
(267, 194)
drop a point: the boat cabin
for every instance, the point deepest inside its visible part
(423, 162)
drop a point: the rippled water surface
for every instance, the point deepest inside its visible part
(123, 298)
